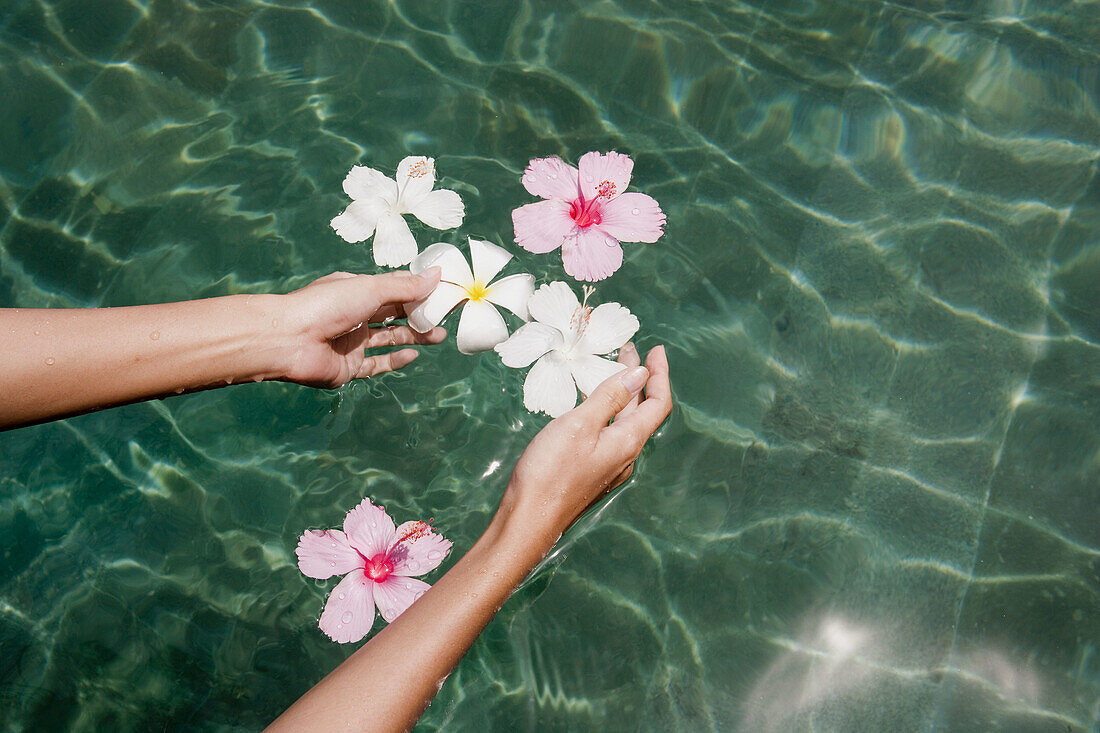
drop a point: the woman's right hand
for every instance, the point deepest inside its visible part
(582, 455)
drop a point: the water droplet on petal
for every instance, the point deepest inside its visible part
(339, 626)
(341, 596)
(634, 212)
(414, 565)
(433, 555)
(554, 175)
(346, 618)
(408, 586)
(332, 564)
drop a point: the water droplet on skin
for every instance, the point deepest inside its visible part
(346, 618)
(275, 321)
(634, 212)
(37, 332)
(49, 361)
(155, 335)
(179, 390)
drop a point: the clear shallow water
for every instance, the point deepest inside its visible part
(875, 507)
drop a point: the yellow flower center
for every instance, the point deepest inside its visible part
(477, 291)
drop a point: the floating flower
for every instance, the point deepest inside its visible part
(379, 561)
(586, 213)
(481, 327)
(379, 202)
(565, 336)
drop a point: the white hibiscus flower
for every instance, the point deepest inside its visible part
(379, 203)
(565, 337)
(480, 327)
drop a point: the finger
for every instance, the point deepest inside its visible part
(397, 288)
(388, 313)
(644, 420)
(613, 394)
(382, 363)
(628, 357)
(401, 336)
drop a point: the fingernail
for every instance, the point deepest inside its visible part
(432, 273)
(628, 348)
(634, 379)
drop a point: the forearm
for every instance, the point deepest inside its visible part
(388, 683)
(62, 362)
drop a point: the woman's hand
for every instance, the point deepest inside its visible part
(581, 456)
(330, 319)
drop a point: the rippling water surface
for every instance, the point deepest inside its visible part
(875, 506)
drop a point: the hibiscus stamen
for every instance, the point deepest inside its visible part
(579, 320)
(606, 190)
(415, 532)
(419, 169)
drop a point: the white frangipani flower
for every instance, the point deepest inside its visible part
(379, 202)
(565, 336)
(480, 327)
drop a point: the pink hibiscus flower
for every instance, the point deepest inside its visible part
(379, 561)
(586, 213)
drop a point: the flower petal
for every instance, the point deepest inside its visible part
(415, 178)
(397, 593)
(550, 178)
(554, 304)
(588, 371)
(394, 245)
(488, 259)
(512, 292)
(448, 258)
(357, 222)
(633, 217)
(610, 325)
(442, 209)
(322, 554)
(480, 328)
(604, 176)
(421, 555)
(366, 183)
(369, 529)
(541, 227)
(349, 611)
(591, 255)
(426, 314)
(528, 343)
(549, 386)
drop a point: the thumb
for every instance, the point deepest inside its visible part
(404, 287)
(614, 393)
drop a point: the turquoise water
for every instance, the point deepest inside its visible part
(875, 506)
